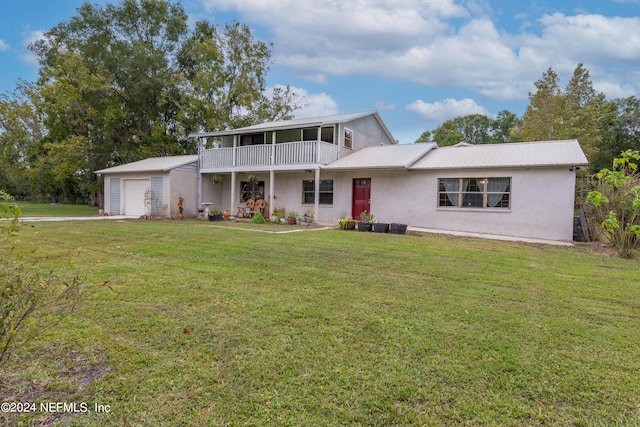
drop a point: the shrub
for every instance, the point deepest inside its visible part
(32, 297)
(616, 203)
(257, 218)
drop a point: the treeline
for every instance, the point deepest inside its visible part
(124, 82)
(603, 127)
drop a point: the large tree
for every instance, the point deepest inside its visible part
(579, 112)
(475, 129)
(124, 82)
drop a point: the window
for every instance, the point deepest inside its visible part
(348, 138)
(254, 139)
(309, 190)
(311, 134)
(250, 190)
(474, 192)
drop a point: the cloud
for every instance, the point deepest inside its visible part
(382, 105)
(448, 109)
(4, 46)
(30, 37)
(442, 43)
(316, 104)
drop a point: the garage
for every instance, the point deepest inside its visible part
(134, 190)
(168, 178)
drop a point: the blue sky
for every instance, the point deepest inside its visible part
(417, 62)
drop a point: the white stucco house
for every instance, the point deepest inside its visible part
(340, 165)
(151, 187)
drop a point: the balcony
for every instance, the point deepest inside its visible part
(281, 154)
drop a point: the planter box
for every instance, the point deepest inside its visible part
(364, 226)
(380, 227)
(217, 217)
(291, 221)
(398, 228)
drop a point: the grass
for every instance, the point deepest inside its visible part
(332, 328)
(55, 209)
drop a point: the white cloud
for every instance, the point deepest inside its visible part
(448, 109)
(30, 37)
(442, 43)
(316, 104)
(382, 105)
(4, 46)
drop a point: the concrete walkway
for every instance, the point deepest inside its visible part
(74, 218)
(491, 236)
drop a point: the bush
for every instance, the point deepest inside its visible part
(616, 203)
(257, 218)
(32, 297)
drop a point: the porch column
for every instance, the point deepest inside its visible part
(199, 182)
(235, 148)
(318, 139)
(233, 210)
(316, 206)
(272, 186)
(273, 147)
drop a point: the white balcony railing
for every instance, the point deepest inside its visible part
(288, 153)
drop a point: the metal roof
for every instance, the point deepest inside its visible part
(298, 123)
(383, 157)
(524, 154)
(153, 164)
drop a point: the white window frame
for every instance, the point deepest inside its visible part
(348, 136)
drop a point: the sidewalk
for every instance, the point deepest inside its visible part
(74, 218)
(491, 236)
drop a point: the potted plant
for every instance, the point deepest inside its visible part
(215, 215)
(347, 223)
(366, 221)
(291, 217)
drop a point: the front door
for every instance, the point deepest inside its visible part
(361, 196)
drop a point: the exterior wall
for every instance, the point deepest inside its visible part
(366, 133)
(182, 182)
(287, 193)
(178, 181)
(542, 202)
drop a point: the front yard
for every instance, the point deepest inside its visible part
(202, 325)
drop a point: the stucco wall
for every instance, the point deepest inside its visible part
(542, 202)
(174, 183)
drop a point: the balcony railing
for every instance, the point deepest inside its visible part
(287, 153)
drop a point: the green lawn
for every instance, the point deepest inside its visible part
(332, 328)
(49, 209)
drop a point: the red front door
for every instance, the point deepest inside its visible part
(361, 196)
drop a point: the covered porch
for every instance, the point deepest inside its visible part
(299, 190)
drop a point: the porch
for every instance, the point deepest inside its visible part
(280, 154)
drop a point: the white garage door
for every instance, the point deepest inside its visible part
(134, 190)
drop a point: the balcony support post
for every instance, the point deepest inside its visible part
(316, 206)
(272, 186)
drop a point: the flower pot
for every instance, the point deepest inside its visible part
(397, 228)
(291, 221)
(364, 226)
(216, 217)
(380, 227)
(225, 214)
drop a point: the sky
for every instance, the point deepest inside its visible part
(416, 62)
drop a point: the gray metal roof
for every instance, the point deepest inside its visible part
(524, 154)
(383, 157)
(153, 164)
(298, 123)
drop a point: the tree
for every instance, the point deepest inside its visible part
(578, 112)
(124, 82)
(616, 202)
(544, 112)
(623, 134)
(476, 129)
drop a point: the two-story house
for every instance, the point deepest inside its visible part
(282, 162)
